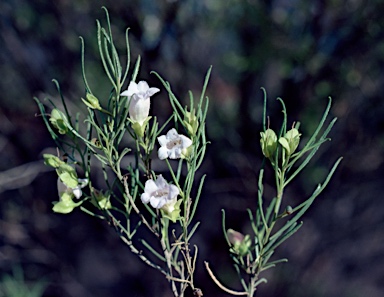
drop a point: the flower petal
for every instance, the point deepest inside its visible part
(142, 86)
(186, 141)
(132, 88)
(162, 153)
(152, 91)
(162, 140)
(161, 183)
(126, 93)
(173, 192)
(172, 134)
(174, 153)
(77, 192)
(150, 186)
(145, 198)
(157, 203)
(82, 182)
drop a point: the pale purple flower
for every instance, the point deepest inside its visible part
(139, 95)
(159, 193)
(173, 145)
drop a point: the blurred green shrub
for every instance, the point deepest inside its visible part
(15, 285)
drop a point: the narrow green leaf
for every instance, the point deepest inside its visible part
(87, 88)
(136, 69)
(153, 251)
(128, 57)
(193, 230)
(196, 202)
(285, 237)
(224, 228)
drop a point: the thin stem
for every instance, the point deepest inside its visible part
(221, 286)
(136, 209)
(168, 256)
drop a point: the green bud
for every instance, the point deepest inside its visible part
(288, 210)
(68, 175)
(59, 121)
(92, 102)
(240, 244)
(290, 141)
(172, 210)
(102, 199)
(191, 123)
(53, 161)
(96, 143)
(245, 245)
(268, 143)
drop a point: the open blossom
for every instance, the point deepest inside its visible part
(159, 193)
(139, 105)
(173, 145)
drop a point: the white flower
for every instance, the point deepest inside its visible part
(62, 188)
(140, 95)
(159, 192)
(172, 145)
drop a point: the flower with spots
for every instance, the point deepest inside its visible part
(159, 193)
(173, 145)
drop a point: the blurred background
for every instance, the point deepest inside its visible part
(301, 51)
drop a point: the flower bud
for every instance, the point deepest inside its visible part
(96, 143)
(288, 210)
(190, 121)
(102, 199)
(268, 143)
(59, 121)
(53, 161)
(68, 175)
(92, 102)
(240, 243)
(290, 141)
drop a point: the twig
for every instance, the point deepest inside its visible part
(142, 257)
(220, 285)
(179, 279)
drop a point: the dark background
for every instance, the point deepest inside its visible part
(302, 51)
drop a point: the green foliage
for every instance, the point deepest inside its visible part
(268, 235)
(99, 138)
(16, 286)
(118, 128)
